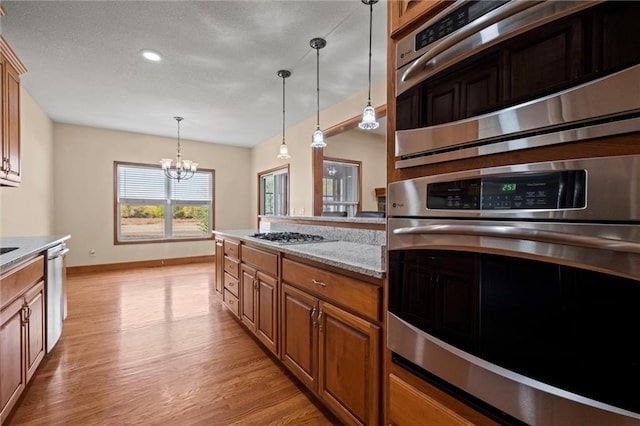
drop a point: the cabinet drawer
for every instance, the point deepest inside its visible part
(410, 406)
(232, 248)
(261, 260)
(361, 297)
(19, 279)
(231, 284)
(231, 266)
(231, 302)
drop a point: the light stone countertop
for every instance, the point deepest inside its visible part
(27, 247)
(366, 259)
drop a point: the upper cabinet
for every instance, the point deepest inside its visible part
(404, 12)
(10, 70)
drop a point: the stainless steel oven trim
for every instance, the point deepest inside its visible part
(613, 192)
(611, 249)
(529, 400)
(498, 25)
(604, 97)
(615, 128)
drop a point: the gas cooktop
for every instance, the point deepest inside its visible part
(288, 237)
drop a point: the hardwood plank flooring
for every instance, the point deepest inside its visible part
(154, 346)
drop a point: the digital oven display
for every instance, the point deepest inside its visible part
(454, 21)
(555, 190)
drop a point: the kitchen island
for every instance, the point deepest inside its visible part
(317, 306)
(363, 258)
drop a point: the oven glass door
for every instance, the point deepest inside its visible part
(570, 328)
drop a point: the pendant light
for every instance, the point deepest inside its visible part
(283, 154)
(184, 169)
(317, 140)
(369, 114)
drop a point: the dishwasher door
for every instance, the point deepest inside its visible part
(55, 293)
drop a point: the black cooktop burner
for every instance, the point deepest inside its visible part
(288, 237)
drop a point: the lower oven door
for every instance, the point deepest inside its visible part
(538, 320)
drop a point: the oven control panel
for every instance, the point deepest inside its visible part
(550, 190)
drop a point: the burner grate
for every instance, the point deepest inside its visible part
(288, 237)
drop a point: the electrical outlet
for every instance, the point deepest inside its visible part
(92, 252)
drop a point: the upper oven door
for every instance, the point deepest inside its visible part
(525, 74)
(469, 27)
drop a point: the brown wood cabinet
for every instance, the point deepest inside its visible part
(414, 402)
(335, 352)
(259, 295)
(22, 329)
(10, 70)
(403, 13)
(230, 277)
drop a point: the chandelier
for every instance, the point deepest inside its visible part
(317, 140)
(283, 154)
(369, 114)
(184, 169)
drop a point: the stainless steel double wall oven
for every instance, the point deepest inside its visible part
(517, 288)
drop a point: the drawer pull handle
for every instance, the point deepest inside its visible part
(320, 283)
(320, 320)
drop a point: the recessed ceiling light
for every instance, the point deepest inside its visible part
(151, 55)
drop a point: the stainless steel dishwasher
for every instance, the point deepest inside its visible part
(55, 292)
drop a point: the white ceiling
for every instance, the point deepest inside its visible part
(219, 68)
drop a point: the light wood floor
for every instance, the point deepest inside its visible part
(154, 346)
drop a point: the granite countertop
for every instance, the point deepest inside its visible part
(27, 247)
(366, 259)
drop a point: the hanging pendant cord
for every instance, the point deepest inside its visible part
(370, 31)
(318, 86)
(283, 78)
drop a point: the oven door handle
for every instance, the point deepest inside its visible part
(512, 232)
(476, 26)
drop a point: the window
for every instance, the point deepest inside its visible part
(274, 192)
(150, 207)
(341, 186)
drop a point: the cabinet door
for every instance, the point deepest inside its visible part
(299, 334)
(12, 355)
(35, 327)
(248, 284)
(349, 365)
(12, 123)
(266, 297)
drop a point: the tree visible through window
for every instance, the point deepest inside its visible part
(150, 206)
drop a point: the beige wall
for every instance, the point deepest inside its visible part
(84, 159)
(27, 210)
(298, 139)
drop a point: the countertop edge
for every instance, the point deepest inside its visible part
(27, 247)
